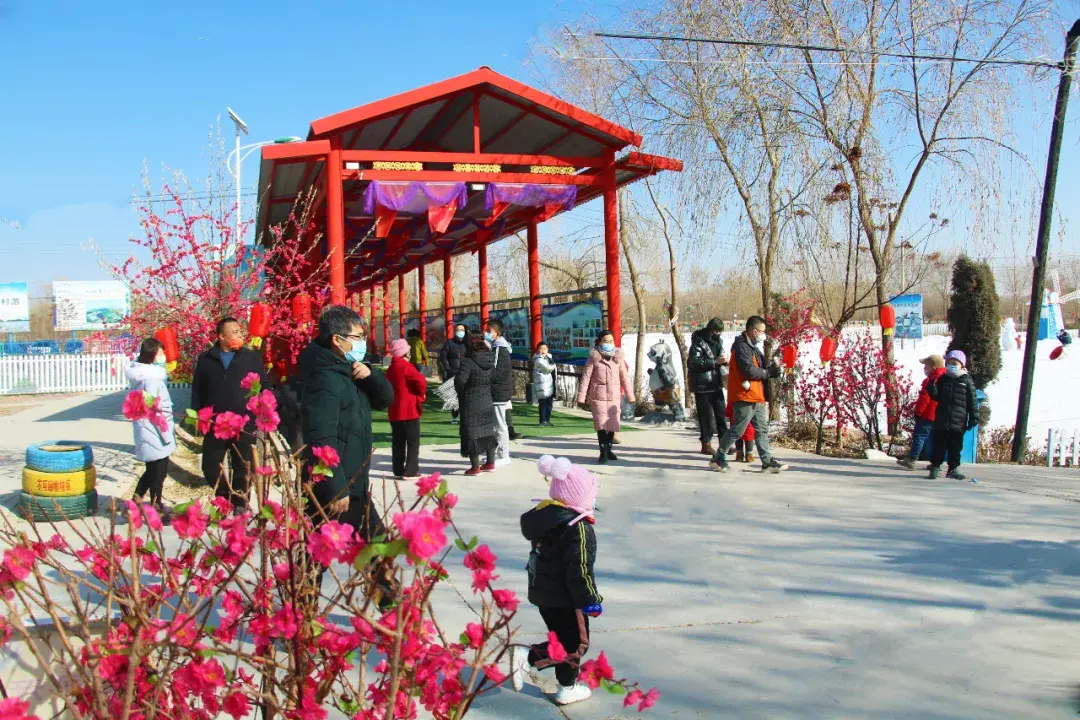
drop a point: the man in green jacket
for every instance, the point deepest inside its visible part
(337, 394)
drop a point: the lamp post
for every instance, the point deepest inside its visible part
(241, 127)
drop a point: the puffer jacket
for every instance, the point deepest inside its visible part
(473, 385)
(705, 375)
(450, 357)
(543, 377)
(562, 558)
(502, 383)
(925, 408)
(150, 443)
(957, 408)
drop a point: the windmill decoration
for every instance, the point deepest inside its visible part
(1051, 319)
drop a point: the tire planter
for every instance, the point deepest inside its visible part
(59, 456)
(57, 509)
(66, 484)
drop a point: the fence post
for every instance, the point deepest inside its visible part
(1050, 448)
(1075, 453)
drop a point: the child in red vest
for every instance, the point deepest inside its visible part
(744, 446)
(925, 412)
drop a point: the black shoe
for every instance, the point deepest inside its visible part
(955, 474)
(603, 457)
(773, 466)
(934, 472)
(610, 455)
(906, 463)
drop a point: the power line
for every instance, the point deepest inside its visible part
(826, 48)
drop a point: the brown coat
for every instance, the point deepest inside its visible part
(603, 385)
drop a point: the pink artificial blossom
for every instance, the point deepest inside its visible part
(249, 381)
(481, 559)
(494, 674)
(264, 407)
(475, 633)
(135, 407)
(236, 704)
(423, 531)
(15, 709)
(506, 600)
(229, 425)
(633, 698)
(326, 455)
(206, 419)
(331, 541)
(649, 700)
(555, 649)
(428, 484)
(595, 671)
(191, 523)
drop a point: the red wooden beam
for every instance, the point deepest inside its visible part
(652, 162)
(611, 252)
(475, 122)
(476, 177)
(484, 158)
(297, 151)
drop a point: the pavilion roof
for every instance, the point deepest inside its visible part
(517, 127)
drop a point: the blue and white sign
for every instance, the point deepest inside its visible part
(14, 307)
(909, 316)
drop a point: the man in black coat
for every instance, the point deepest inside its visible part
(957, 412)
(338, 394)
(450, 357)
(706, 382)
(216, 383)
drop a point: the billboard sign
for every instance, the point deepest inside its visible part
(570, 330)
(14, 307)
(909, 316)
(91, 305)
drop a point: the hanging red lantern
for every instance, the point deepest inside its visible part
(259, 323)
(167, 337)
(888, 319)
(790, 354)
(301, 308)
(828, 350)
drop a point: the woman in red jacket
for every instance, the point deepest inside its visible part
(410, 390)
(925, 411)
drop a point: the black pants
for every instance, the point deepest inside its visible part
(240, 451)
(710, 413)
(510, 422)
(153, 479)
(405, 440)
(546, 404)
(571, 626)
(946, 443)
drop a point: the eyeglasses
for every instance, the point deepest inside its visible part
(353, 338)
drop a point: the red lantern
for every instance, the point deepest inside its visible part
(828, 350)
(888, 319)
(259, 323)
(301, 308)
(790, 354)
(167, 337)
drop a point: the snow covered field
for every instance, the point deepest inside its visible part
(1055, 399)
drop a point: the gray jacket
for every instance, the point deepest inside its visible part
(150, 443)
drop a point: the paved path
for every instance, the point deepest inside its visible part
(837, 589)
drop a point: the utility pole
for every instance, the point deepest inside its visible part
(1042, 243)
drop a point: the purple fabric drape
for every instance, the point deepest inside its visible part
(527, 195)
(412, 197)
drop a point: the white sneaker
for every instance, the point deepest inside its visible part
(519, 664)
(503, 462)
(574, 693)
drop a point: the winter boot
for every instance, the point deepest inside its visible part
(749, 456)
(772, 465)
(610, 440)
(707, 448)
(601, 437)
(955, 474)
(934, 472)
(739, 456)
(719, 464)
(906, 463)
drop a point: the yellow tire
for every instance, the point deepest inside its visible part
(67, 484)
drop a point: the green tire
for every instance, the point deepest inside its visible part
(57, 509)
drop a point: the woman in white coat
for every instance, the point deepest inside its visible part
(544, 378)
(152, 446)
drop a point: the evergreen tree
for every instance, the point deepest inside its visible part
(975, 320)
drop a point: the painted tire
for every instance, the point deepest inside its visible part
(57, 509)
(61, 456)
(68, 484)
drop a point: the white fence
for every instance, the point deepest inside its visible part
(39, 374)
(1062, 447)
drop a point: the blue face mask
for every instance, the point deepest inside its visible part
(489, 337)
(460, 334)
(358, 353)
(952, 370)
(607, 348)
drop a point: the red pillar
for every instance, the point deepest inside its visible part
(371, 321)
(421, 301)
(481, 257)
(536, 321)
(611, 249)
(335, 223)
(401, 304)
(386, 315)
(448, 296)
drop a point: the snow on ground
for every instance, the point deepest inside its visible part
(1055, 398)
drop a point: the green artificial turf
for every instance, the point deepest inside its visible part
(436, 429)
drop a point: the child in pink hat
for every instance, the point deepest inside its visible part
(561, 580)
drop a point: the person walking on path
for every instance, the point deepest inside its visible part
(418, 354)
(450, 357)
(562, 582)
(216, 384)
(410, 391)
(957, 412)
(339, 392)
(544, 379)
(744, 446)
(605, 382)
(746, 391)
(478, 415)
(502, 390)
(925, 412)
(153, 446)
(706, 382)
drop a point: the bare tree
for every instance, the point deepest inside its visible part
(635, 287)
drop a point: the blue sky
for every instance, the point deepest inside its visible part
(91, 90)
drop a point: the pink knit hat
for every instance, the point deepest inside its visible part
(399, 348)
(572, 485)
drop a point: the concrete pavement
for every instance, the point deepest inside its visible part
(837, 589)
